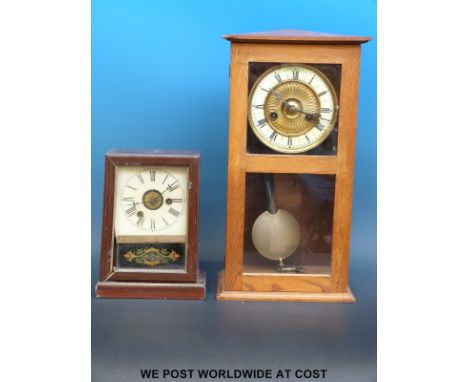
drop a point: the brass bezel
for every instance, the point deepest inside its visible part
(326, 132)
(145, 201)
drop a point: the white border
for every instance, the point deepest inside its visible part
(45, 190)
(422, 191)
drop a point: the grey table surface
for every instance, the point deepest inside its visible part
(129, 335)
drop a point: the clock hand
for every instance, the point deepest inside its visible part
(309, 116)
(277, 94)
(279, 97)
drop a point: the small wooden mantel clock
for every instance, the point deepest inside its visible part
(292, 123)
(149, 243)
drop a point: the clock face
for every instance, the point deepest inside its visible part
(151, 201)
(292, 108)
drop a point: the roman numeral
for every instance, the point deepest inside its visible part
(258, 106)
(320, 126)
(176, 200)
(131, 187)
(273, 136)
(323, 93)
(278, 77)
(152, 175)
(173, 186)
(311, 79)
(295, 74)
(140, 221)
(165, 221)
(128, 199)
(289, 141)
(131, 210)
(308, 140)
(325, 110)
(153, 224)
(140, 178)
(265, 90)
(172, 211)
(261, 122)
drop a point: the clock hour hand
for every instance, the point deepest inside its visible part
(308, 116)
(279, 96)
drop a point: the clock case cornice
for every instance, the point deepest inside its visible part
(119, 155)
(296, 37)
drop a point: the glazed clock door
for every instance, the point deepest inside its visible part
(150, 230)
(292, 107)
(293, 110)
(295, 237)
(151, 219)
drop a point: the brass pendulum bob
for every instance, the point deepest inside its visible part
(276, 234)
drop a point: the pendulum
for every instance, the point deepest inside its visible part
(276, 233)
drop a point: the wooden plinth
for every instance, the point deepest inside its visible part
(176, 291)
(224, 295)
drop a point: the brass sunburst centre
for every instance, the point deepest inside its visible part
(288, 107)
(152, 199)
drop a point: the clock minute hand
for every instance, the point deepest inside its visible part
(309, 116)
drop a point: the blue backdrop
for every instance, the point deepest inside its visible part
(160, 80)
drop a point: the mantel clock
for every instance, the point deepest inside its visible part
(293, 107)
(150, 226)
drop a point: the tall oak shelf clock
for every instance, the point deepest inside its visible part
(292, 132)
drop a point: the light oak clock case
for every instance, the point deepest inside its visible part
(327, 164)
(150, 204)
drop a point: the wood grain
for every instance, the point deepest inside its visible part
(345, 171)
(236, 168)
(290, 53)
(298, 164)
(297, 37)
(227, 295)
(285, 283)
(177, 291)
(107, 236)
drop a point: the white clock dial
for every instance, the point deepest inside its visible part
(292, 108)
(152, 200)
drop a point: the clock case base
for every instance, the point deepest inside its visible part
(243, 295)
(151, 290)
